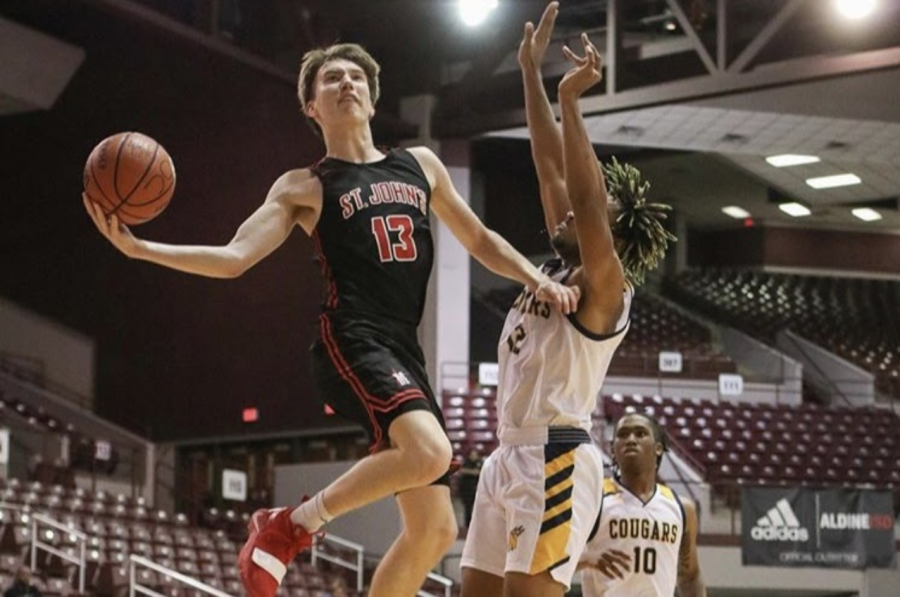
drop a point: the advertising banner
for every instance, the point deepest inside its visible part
(826, 528)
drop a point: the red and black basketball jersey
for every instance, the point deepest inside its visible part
(373, 238)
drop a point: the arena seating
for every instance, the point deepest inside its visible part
(656, 327)
(768, 444)
(83, 449)
(855, 318)
(118, 526)
(471, 419)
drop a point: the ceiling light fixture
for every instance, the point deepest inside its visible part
(474, 12)
(855, 9)
(836, 180)
(736, 212)
(866, 214)
(794, 209)
(786, 160)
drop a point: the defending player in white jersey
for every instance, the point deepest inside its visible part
(540, 491)
(645, 541)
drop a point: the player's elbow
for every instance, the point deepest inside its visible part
(234, 265)
(691, 585)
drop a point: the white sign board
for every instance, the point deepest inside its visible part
(102, 450)
(731, 384)
(4, 446)
(488, 374)
(234, 485)
(670, 362)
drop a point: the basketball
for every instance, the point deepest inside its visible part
(130, 175)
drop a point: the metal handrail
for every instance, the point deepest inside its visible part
(36, 543)
(448, 584)
(357, 567)
(136, 587)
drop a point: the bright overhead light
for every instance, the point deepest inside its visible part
(474, 12)
(794, 209)
(837, 180)
(866, 214)
(786, 160)
(736, 212)
(855, 9)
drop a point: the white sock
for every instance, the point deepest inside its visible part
(311, 514)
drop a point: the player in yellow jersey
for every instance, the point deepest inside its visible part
(645, 543)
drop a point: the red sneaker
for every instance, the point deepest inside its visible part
(273, 543)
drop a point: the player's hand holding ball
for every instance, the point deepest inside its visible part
(129, 179)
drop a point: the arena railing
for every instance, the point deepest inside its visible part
(135, 587)
(356, 566)
(442, 580)
(37, 544)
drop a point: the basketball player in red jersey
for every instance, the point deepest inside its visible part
(367, 213)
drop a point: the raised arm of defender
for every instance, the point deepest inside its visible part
(546, 140)
(601, 275)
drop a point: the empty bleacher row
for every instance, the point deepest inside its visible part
(117, 527)
(769, 444)
(656, 327)
(855, 318)
(85, 453)
(471, 419)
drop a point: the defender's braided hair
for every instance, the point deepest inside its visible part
(639, 224)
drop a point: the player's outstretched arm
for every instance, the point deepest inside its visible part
(603, 276)
(546, 139)
(690, 581)
(264, 231)
(488, 247)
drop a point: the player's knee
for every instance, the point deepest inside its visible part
(440, 534)
(432, 458)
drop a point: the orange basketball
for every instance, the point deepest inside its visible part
(130, 175)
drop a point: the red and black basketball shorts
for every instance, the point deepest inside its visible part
(371, 374)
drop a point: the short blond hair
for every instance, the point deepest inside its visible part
(315, 59)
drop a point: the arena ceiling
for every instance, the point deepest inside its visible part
(698, 92)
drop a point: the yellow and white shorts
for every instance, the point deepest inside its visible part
(536, 506)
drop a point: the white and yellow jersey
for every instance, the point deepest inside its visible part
(551, 368)
(650, 533)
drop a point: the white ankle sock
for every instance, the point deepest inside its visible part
(311, 514)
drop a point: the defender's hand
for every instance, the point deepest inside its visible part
(609, 563)
(586, 72)
(534, 42)
(565, 298)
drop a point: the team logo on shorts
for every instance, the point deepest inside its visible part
(513, 542)
(401, 378)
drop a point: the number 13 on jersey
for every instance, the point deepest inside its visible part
(384, 227)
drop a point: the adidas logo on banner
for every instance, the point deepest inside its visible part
(779, 524)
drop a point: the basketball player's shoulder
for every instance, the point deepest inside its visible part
(428, 161)
(666, 492)
(299, 187)
(610, 487)
(421, 152)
